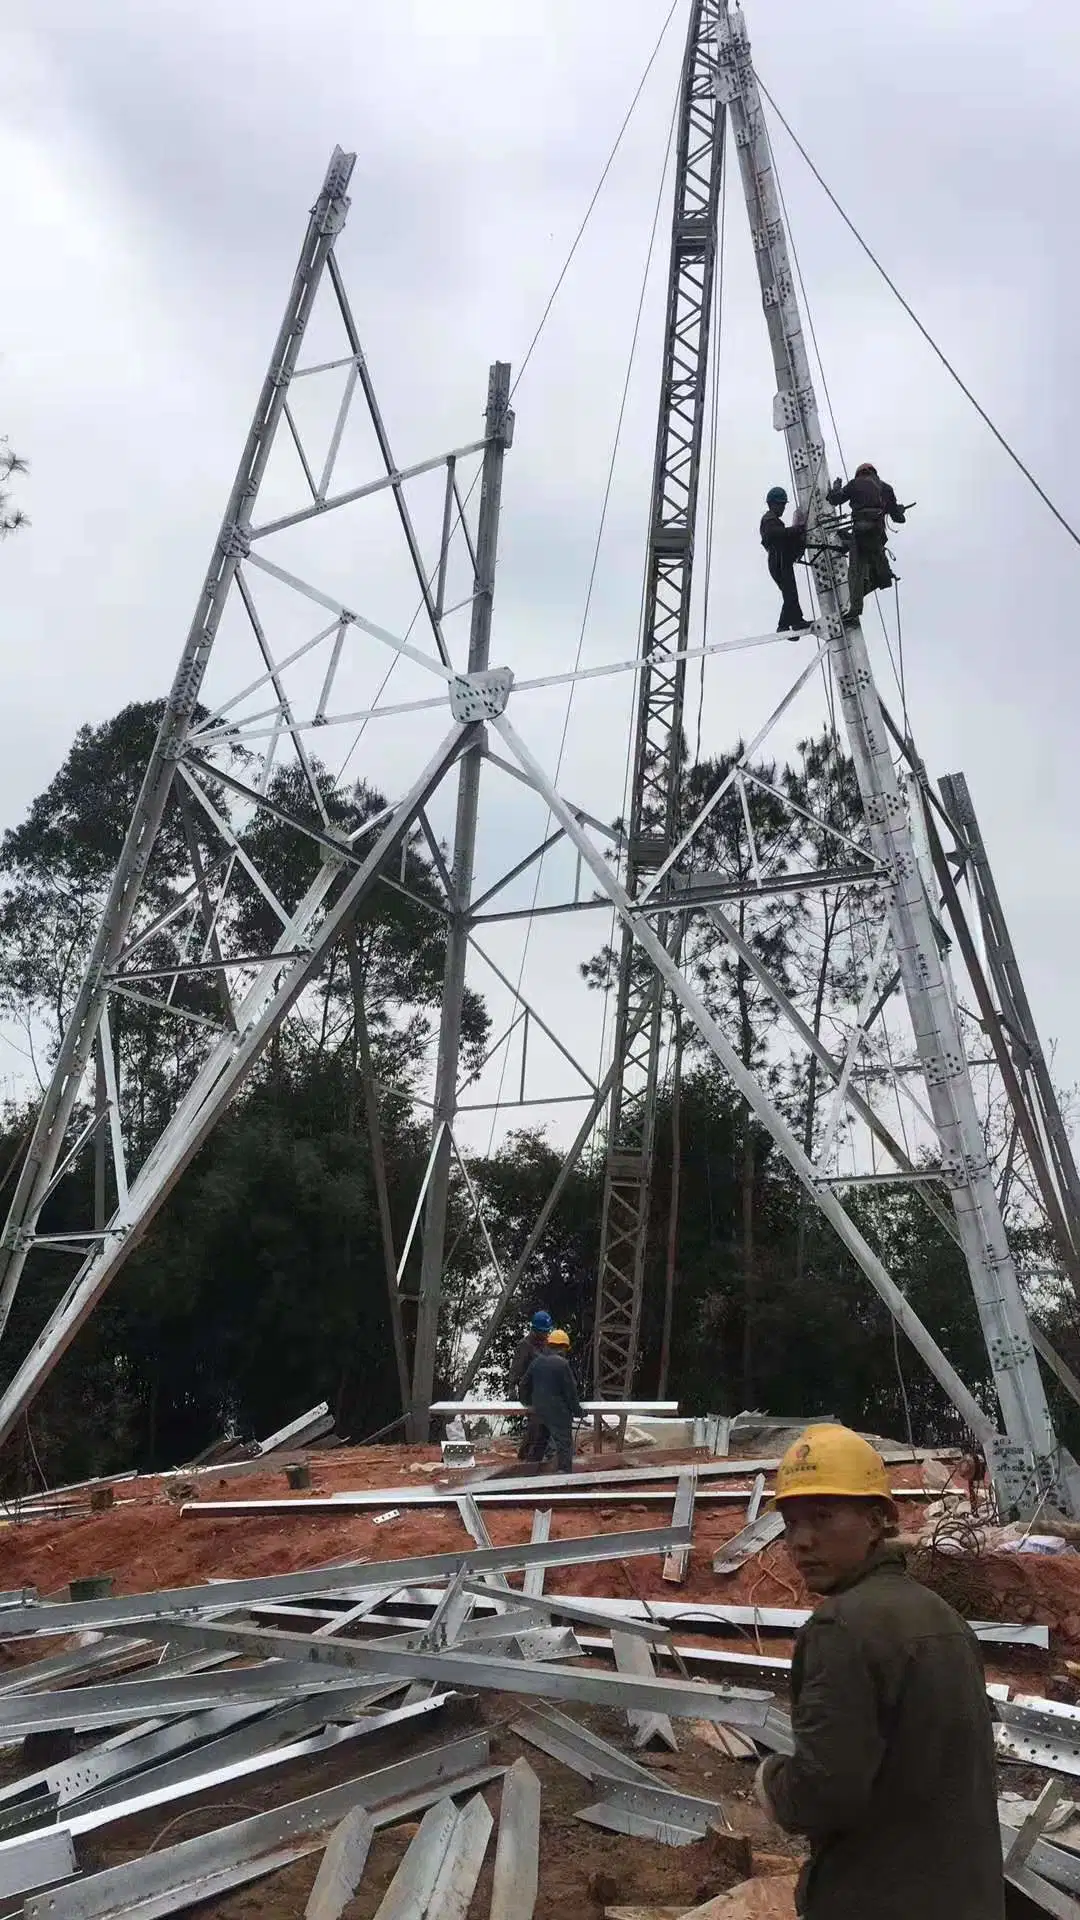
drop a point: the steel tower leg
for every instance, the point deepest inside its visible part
(1027, 1460)
(326, 222)
(658, 743)
(499, 425)
(1017, 1017)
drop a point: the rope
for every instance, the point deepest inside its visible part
(628, 116)
(926, 334)
(572, 689)
(530, 349)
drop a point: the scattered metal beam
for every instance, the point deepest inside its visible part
(682, 1698)
(517, 1855)
(163, 1882)
(341, 1866)
(632, 1657)
(224, 1596)
(677, 1559)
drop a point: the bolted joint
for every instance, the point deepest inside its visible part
(480, 696)
(939, 1068)
(236, 544)
(1008, 1352)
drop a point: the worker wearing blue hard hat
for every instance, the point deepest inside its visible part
(534, 1342)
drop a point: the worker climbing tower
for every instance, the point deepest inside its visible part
(1029, 1444)
(1026, 1459)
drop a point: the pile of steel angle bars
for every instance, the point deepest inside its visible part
(181, 1699)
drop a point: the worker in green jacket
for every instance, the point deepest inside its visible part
(892, 1777)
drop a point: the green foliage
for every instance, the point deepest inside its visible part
(261, 1287)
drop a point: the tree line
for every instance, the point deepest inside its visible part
(260, 1288)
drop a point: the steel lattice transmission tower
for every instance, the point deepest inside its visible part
(718, 41)
(251, 676)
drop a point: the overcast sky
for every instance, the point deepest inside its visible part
(156, 165)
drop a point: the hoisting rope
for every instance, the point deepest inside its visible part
(926, 334)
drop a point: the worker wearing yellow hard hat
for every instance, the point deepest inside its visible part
(892, 1777)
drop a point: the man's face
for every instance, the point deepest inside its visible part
(830, 1538)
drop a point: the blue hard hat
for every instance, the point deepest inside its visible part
(776, 497)
(542, 1322)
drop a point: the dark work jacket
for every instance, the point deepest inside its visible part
(870, 499)
(785, 543)
(524, 1356)
(892, 1778)
(550, 1389)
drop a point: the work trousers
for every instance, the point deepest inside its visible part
(783, 572)
(868, 570)
(561, 1436)
(535, 1434)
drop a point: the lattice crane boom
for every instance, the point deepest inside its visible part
(658, 739)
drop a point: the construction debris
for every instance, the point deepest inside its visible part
(185, 1695)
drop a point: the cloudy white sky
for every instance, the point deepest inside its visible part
(156, 165)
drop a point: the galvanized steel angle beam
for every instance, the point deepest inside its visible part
(176, 1877)
(677, 1560)
(517, 1853)
(687, 1699)
(1046, 1896)
(266, 1740)
(617, 1818)
(438, 1875)
(662, 1803)
(576, 1747)
(350, 1578)
(579, 1611)
(41, 1860)
(341, 1866)
(752, 1539)
(88, 1707)
(1058, 1864)
(633, 1657)
(87, 1776)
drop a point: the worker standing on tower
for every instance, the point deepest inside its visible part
(550, 1392)
(872, 502)
(784, 545)
(892, 1778)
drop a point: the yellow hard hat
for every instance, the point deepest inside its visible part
(558, 1338)
(832, 1461)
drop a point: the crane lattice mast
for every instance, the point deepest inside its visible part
(652, 822)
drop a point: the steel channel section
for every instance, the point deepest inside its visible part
(160, 1882)
(174, 1603)
(219, 1080)
(731, 1706)
(326, 221)
(499, 432)
(658, 742)
(1027, 1461)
